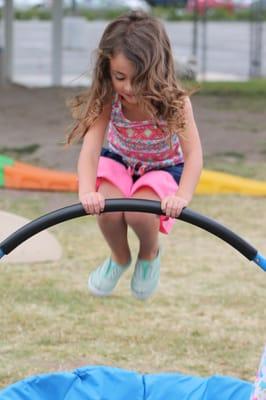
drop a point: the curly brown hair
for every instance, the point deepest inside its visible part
(143, 40)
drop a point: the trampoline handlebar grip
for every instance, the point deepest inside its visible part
(138, 205)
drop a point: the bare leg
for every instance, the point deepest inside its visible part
(114, 227)
(146, 226)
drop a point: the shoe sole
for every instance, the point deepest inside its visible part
(140, 297)
(144, 296)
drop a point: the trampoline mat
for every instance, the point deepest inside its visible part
(108, 383)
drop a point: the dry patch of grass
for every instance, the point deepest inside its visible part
(206, 318)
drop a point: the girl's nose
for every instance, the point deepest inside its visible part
(128, 88)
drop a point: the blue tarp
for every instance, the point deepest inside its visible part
(107, 383)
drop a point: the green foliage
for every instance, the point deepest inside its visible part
(33, 13)
(167, 13)
(104, 14)
(172, 14)
(181, 14)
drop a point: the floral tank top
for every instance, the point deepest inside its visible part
(143, 145)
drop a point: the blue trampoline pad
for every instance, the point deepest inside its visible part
(108, 383)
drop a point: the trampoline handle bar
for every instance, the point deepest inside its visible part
(138, 205)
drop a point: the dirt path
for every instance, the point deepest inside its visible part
(36, 120)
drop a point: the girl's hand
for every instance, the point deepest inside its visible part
(173, 205)
(92, 202)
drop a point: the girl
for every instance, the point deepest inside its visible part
(153, 149)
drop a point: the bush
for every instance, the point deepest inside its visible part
(169, 13)
(105, 14)
(33, 13)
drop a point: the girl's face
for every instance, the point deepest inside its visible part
(122, 72)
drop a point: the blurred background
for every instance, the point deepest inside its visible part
(46, 42)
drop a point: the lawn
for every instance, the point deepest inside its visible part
(206, 318)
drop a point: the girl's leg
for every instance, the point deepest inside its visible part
(114, 227)
(146, 226)
(145, 278)
(103, 280)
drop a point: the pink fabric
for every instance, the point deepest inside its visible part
(161, 182)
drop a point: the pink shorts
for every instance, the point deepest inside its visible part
(161, 182)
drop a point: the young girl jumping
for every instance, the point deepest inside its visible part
(152, 148)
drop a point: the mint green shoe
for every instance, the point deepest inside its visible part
(146, 277)
(103, 280)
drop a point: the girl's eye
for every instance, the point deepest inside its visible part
(119, 78)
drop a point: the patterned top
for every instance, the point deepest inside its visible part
(143, 145)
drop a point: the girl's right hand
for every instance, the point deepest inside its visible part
(92, 202)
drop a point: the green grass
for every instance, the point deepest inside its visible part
(254, 87)
(206, 317)
(236, 164)
(17, 151)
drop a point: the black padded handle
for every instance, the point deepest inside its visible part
(139, 205)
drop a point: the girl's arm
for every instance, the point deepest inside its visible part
(191, 147)
(92, 201)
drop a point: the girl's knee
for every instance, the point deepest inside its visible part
(110, 218)
(138, 219)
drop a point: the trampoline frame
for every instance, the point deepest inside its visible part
(138, 205)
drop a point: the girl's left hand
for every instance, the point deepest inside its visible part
(173, 205)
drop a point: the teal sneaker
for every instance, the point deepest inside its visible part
(103, 280)
(146, 277)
